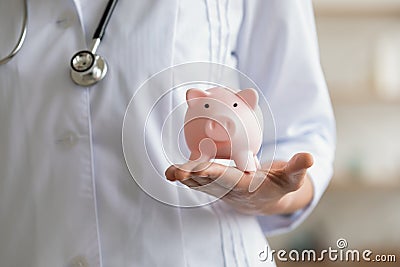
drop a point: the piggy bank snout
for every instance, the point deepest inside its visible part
(220, 129)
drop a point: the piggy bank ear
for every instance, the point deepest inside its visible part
(194, 93)
(250, 96)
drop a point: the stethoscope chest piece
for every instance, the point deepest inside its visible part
(87, 68)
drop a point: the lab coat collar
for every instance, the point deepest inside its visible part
(78, 9)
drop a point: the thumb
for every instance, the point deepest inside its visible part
(297, 166)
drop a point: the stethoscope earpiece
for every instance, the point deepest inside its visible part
(87, 68)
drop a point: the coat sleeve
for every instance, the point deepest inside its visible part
(277, 48)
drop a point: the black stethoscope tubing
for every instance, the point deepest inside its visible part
(105, 18)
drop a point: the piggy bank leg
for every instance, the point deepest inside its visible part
(257, 180)
(246, 162)
(257, 162)
(207, 150)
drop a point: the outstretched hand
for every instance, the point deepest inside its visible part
(283, 188)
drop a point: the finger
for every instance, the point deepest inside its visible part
(202, 180)
(205, 173)
(296, 169)
(213, 189)
(207, 169)
(225, 176)
(216, 179)
(170, 173)
(206, 185)
(192, 169)
(184, 171)
(191, 183)
(299, 163)
(203, 177)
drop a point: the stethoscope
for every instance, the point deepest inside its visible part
(87, 68)
(21, 37)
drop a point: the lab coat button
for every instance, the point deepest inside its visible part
(79, 261)
(68, 140)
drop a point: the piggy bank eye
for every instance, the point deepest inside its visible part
(235, 105)
(206, 105)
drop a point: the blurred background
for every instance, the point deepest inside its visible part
(360, 54)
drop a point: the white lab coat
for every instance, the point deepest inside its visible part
(66, 195)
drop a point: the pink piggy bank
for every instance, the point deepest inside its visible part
(224, 124)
